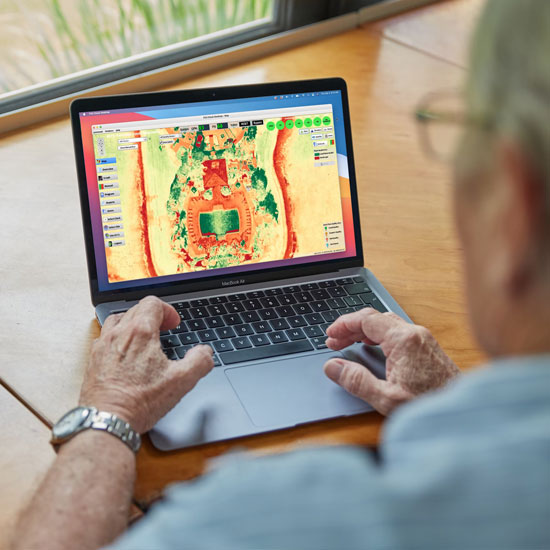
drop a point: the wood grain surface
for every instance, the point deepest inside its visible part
(25, 456)
(408, 236)
(442, 30)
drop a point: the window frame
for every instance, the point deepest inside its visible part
(294, 23)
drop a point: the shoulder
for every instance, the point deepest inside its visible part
(513, 389)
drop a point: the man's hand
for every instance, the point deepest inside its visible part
(128, 373)
(415, 363)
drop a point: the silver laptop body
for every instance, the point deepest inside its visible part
(266, 320)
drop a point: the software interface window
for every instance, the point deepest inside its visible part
(215, 191)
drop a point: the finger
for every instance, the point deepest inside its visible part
(359, 381)
(112, 321)
(354, 378)
(196, 364)
(153, 314)
(367, 325)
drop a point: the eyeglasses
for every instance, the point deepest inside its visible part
(441, 116)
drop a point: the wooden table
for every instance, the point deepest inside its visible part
(408, 236)
(25, 456)
(441, 30)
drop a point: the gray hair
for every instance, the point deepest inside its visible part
(509, 80)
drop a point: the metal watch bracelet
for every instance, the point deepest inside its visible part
(83, 418)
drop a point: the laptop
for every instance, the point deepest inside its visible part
(238, 206)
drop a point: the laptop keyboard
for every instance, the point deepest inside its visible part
(266, 323)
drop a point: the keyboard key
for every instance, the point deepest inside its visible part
(357, 288)
(330, 316)
(344, 281)
(225, 332)
(234, 307)
(181, 305)
(358, 280)
(301, 309)
(319, 342)
(217, 362)
(184, 314)
(284, 311)
(313, 331)
(182, 327)
(287, 300)
(319, 306)
(261, 326)
(232, 319)
(217, 309)
(171, 341)
(260, 339)
(375, 303)
(309, 286)
(267, 314)
(182, 350)
(274, 292)
(279, 324)
(346, 310)
(324, 327)
(199, 302)
(241, 343)
(207, 335)
(189, 338)
(243, 330)
(170, 353)
(250, 316)
(196, 324)
(353, 301)
(165, 333)
(291, 289)
(198, 312)
(239, 297)
(250, 305)
(320, 294)
(255, 294)
(295, 334)
(336, 303)
(296, 321)
(217, 300)
(337, 292)
(269, 301)
(263, 352)
(278, 337)
(314, 318)
(214, 322)
(303, 297)
(327, 284)
(222, 345)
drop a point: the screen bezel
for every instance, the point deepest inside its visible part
(107, 103)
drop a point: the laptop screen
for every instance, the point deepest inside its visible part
(180, 192)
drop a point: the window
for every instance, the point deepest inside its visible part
(53, 49)
(49, 44)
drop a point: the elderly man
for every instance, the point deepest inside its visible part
(467, 466)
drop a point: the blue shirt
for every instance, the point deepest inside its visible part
(467, 467)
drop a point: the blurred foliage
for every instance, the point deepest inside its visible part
(45, 39)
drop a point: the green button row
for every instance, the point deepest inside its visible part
(307, 122)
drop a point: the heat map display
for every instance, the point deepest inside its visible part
(211, 195)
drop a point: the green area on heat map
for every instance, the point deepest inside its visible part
(219, 222)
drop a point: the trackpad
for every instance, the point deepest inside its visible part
(291, 391)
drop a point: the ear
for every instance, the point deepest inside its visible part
(523, 215)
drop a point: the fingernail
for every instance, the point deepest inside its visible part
(334, 369)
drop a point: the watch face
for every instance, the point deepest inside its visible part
(70, 422)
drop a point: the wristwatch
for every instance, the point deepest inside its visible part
(84, 418)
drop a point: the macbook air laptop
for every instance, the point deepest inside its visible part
(238, 206)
